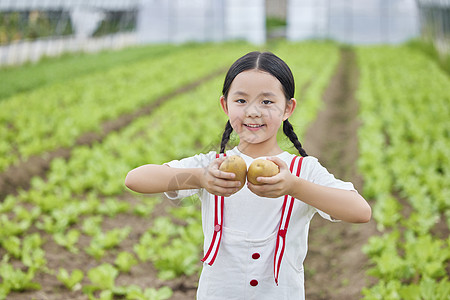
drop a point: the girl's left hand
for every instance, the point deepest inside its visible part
(275, 186)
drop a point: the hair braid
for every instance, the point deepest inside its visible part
(226, 136)
(289, 132)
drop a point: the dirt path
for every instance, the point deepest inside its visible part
(19, 176)
(335, 266)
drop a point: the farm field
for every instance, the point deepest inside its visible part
(69, 229)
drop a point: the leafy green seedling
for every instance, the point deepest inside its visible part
(111, 207)
(68, 240)
(91, 225)
(8, 204)
(70, 281)
(15, 279)
(34, 259)
(12, 227)
(51, 225)
(103, 241)
(12, 245)
(125, 261)
(136, 293)
(95, 250)
(143, 210)
(103, 276)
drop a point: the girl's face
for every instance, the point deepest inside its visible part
(256, 107)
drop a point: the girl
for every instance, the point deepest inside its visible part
(249, 252)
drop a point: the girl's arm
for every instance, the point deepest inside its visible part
(151, 179)
(341, 204)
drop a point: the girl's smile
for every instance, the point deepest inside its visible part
(254, 127)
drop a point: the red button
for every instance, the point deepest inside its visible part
(254, 282)
(255, 255)
(217, 227)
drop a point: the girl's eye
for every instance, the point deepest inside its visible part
(267, 102)
(240, 101)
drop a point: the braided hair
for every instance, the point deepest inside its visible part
(226, 136)
(272, 64)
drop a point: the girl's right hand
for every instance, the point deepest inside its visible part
(218, 182)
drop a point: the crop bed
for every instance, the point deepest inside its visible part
(404, 146)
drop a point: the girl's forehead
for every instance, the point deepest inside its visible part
(255, 79)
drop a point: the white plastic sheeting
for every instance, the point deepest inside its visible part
(201, 20)
(24, 51)
(180, 21)
(17, 5)
(85, 21)
(352, 21)
(246, 20)
(306, 19)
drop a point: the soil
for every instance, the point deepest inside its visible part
(335, 264)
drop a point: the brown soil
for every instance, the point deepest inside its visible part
(335, 265)
(19, 176)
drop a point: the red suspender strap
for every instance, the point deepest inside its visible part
(211, 254)
(284, 223)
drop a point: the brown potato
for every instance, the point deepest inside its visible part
(235, 164)
(261, 168)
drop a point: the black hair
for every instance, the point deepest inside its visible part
(272, 64)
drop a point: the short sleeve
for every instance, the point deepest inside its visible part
(318, 174)
(196, 161)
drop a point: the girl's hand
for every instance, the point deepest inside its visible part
(218, 182)
(275, 186)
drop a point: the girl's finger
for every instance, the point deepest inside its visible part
(264, 190)
(227, 183)
(220, 174)
(226, 192)
(280, 163)
(224, 175)
(270, 180)
(215, 164)
(254, 188)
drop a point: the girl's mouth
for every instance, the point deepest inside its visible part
(254, 127)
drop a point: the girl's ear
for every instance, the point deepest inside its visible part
(290, 107)
(223, 103)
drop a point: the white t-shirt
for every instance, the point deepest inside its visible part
(253, 221)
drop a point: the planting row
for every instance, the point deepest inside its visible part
(27, 77)
(78, 195)
(404, 159)
(56, 115)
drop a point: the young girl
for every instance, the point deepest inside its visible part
(249, 251)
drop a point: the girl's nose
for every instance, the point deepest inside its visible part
(253, 111)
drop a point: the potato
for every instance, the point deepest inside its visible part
(235, 164)
(261, 168)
